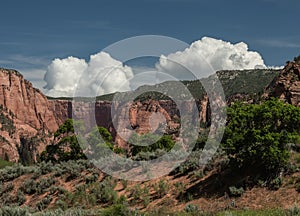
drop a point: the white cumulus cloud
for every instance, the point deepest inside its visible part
(101, 75)
(208, 55)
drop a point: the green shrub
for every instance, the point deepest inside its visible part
(59, 190)
(146, 200)
(136, 192)
(61, 204)
(14, 211)
(117, 209)
(108, 195)
(161, 188)
(20, 198)
(236, 192)
(257, 136)
(5, 163)
(91, 178)
(29, 187)
(297, 185)
(275, 183)
(45, 167)
(198, 174)
(191, 208)
(66, 138)
(147, 144)
(10, 173)
(295, 210)
(180, 189)
(43, 204)
(5, 189)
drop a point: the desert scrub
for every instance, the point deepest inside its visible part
(88, 195)
(198, 174)
(108, 194)
(43, 204)
(297, 185)
(119, 209)
(140, 194)
(6, 188)
(5, 163)
(60, 204)
(136, 193)
(161, 188)
(29, 187)
(236, 192)
(146, 198)
(91, 178)
(275, 183)
(20, 198)
(180, 189)
(294, 210)
(45, 167)
(103, 192)
(7, 199)
(57, 189)
(44, 184)
(73, 169)
(191, 208)
(10, 173)
(14, 211)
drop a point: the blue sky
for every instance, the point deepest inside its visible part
(34, 32)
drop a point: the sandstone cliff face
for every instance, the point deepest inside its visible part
(27, 110)
(287, 85)
(28, 118)
(144, 117)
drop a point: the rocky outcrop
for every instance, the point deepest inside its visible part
(25, 114)
(27, 104)
(286, 86)
(144, 117)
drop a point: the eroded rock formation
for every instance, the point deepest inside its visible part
(286, 86)
(25, 113)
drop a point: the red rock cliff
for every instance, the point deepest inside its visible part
(25, 113)
(287, 85)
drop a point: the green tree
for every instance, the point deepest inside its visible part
(100, 141)
(66, 146)
(257, 136)
(147, 143)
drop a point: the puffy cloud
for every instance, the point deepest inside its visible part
(101, 75)
(208, 55)
(62, 76)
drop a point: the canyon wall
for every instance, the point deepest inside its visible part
(25, 114)
(28, 119)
